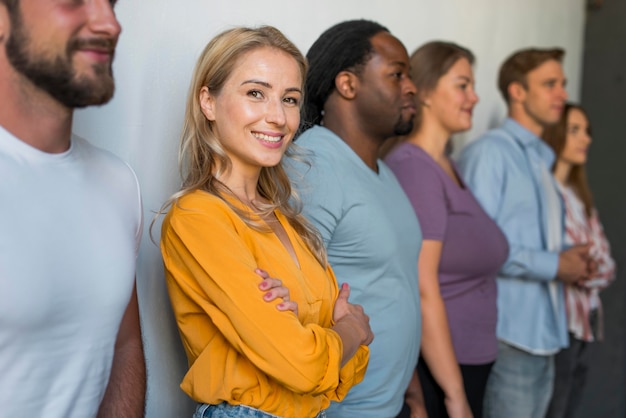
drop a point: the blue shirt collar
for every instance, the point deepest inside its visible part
(528, 139)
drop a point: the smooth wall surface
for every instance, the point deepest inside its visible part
(156, 53)
(604, 97)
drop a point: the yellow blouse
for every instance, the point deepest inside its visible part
(241, 349)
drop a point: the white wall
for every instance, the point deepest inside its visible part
(157, 50)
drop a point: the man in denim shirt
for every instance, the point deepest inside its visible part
(508, 171)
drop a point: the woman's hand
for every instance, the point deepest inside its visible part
(354, 315)
(414, 398)
(458, 407)
(273, 289)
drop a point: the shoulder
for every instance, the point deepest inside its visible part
(495, 141)
(490, 149)
(409, 160)
(108, 166)
(97, 155)
(203, 204)
(320, 145)
(318, 159)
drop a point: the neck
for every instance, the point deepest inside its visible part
(527, 121)
(33, 116)
(362, 143)
(432, 138)
(562, 170)
(242, 183)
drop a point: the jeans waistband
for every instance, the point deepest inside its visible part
(225, 410)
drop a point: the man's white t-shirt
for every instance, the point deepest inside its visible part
(70, 226)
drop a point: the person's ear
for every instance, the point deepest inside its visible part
(207, 103)
(346, 83)
(517, 92)
(423, 99)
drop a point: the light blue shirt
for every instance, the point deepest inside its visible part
(503, 169)
(373, 240)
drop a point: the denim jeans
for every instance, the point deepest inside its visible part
(224, 410)
(520, 384)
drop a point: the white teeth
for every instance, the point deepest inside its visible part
(267, 138)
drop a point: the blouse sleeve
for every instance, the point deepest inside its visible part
(213, 265)
(601, 252)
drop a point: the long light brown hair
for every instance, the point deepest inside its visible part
(556, 137)
(202, 159)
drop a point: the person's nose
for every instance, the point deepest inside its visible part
(276, 112)
(102, 20)
(409, 87)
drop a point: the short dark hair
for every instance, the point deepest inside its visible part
(520, 63)
(345, 46)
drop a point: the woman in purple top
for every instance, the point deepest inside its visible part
(463, 248)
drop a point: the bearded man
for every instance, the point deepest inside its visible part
(70, 222)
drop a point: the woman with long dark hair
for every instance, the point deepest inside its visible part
(570, 140)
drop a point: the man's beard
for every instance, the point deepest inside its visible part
(403, 127)
(56, 76)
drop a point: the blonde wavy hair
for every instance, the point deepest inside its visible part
(202, 160)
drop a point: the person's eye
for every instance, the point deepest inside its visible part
(294, 101)
(257, 94)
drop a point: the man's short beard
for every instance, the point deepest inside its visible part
(56, 76)
(403, 127)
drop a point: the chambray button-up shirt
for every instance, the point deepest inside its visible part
(503, 169)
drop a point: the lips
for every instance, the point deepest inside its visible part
(410, 107)
(267, 138)
(96, 46)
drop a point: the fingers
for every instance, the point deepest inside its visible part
(274, 289)
(288, 306)
(344, 292)
(264, 274)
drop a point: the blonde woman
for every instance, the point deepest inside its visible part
(233, 216)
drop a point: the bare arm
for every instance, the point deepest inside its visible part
(126, 392)
(414, 398)
(437, 348)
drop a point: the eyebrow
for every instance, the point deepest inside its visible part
(400, 63)
(269, 86)
(462, 77)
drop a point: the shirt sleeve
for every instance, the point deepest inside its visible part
(213, 265)
(601, 251)
(483, 168)
(425, 190)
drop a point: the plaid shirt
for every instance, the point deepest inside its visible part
(582, 300)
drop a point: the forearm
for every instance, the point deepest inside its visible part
(414, 396)
(530, 264)
(437, 349)
(350, 339)
(126, 391)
